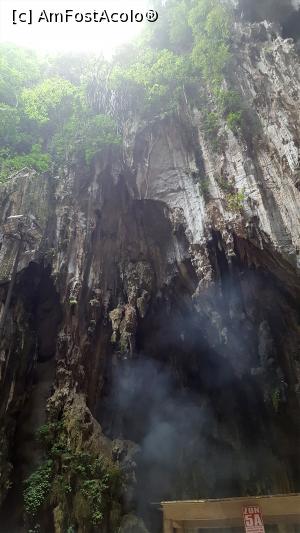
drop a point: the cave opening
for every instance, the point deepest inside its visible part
(195, 396)
(271, 10)
(291, 26)
(283, 12)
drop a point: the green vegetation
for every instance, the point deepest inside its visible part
(37, 488)
(83, 485)
(63, 110)
(225, 184)
(210, 21)
(204, 187)
(45, 117)
(48, 100)
(233, 120)
(35, 159)
(83, 143)
(235, 201)
(191, 43)
(211, 127)
(19, 68)
(91, 482)
(276, 399)
(185, 56)
(203, 183)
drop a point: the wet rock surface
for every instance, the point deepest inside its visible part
(166, 319)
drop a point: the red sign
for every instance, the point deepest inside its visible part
(253, 519)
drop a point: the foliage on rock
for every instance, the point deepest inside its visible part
(48, 121)
(82, 486)
(37, 488)
(62, 110)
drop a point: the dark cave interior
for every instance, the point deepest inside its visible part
(41, 312)
(291, 26)
(278, 11)
(204, 413)
(207, 396)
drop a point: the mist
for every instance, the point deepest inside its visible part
(181, 454)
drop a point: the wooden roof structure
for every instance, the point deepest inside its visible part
(181, 516)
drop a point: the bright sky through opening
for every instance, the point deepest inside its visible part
(70, 36)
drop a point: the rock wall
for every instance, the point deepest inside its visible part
(155, 310)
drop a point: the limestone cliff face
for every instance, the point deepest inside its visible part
(155, 303)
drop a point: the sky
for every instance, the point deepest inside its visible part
(98, 37)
